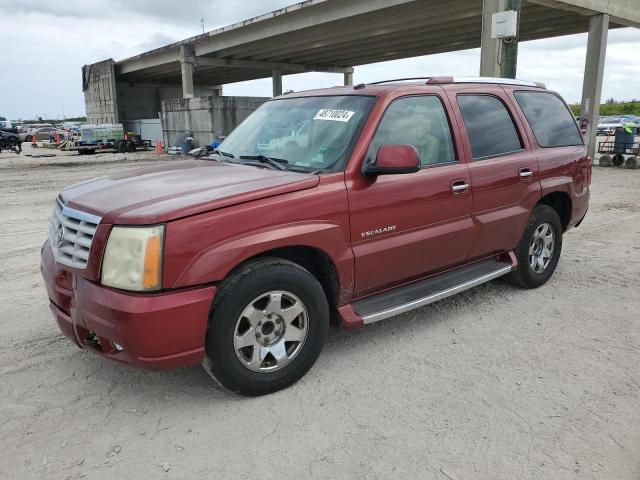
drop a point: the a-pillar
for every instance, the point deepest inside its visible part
(187, 66)
(593, 74)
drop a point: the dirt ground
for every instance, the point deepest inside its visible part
(495, 383)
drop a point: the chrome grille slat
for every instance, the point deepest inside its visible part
(71, 235)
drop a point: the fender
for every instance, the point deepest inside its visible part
(215, 262)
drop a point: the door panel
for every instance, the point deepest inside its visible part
(502, 201)
(504, 185)
(429, 226)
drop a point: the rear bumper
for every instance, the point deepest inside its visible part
(154, 331)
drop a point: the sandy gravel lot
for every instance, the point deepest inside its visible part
(495, 383)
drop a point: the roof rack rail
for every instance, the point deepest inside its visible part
(496, 80)
(399, 80)
(444, 80)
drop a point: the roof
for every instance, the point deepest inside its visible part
(332, 35)
(383, 87)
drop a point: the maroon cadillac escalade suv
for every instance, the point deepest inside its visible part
(352, 204)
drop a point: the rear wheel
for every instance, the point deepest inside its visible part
(539, 249)
(268, 324)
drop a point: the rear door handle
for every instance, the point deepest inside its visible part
(459, 186)
(525, 173)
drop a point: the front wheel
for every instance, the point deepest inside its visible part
(539, 249)
(268, 324)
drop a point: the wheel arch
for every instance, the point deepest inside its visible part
(561, 203)
(312, 259)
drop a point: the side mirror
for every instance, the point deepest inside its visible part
(394, 159)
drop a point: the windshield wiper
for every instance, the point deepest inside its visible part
(224, 154)
(275, 162)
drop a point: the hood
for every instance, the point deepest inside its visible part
(179, 189)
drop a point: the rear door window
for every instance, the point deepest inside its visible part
(551, 122)
(489, 126)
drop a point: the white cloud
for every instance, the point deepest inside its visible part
(45, 44)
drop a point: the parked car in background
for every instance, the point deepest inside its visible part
(608, 125)
(351, 204)
(43, 133)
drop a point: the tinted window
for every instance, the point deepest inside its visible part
(550, 120)
(419, 121)
(489, 126)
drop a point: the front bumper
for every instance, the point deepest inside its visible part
(155, 331)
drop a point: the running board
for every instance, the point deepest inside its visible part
(408, 297)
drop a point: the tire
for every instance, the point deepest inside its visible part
(120, 146)
(130, 147)
(605, 161)
(631, 162)
(525, 275)
(28, 138)
(241, 308)
(618, 159)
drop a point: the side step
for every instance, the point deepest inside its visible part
(408, 297)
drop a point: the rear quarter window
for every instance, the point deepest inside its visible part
(551, 122)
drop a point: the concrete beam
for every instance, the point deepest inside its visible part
(489, 66)
(623, 12)
(166, 56)
(277, 82)
(593, 75)
(261, 65)
(187, 65)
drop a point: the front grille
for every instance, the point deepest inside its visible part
(71, 235)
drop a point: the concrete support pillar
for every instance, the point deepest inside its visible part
(187, 66)
(348, 78)
(489, 60)
(277, 81)
(593, 74)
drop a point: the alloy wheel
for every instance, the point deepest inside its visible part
(541, 248)
(271, 331)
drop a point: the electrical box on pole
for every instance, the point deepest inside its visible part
(504, 24)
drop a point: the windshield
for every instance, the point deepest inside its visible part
(310, 133)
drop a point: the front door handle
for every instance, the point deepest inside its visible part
(459, 186)
(525, 173)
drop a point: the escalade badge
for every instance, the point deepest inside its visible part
(378, 231)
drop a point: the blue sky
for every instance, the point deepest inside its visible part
(46, 43)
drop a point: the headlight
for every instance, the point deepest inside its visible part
(133, 258)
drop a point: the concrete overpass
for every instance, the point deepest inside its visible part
(337, 35)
